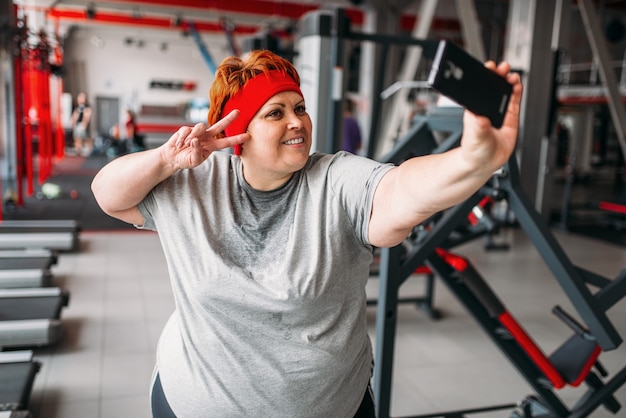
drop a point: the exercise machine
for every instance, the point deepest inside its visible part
(31, 317)
(40, 225)
(27, 259)
(321, 68)
(18, 370)
(54, 234)
(572, 363)
(58, 241)
(24, 278)
(15, 414)
(574, 281)
(597, 213)
(420, 140)
(425, 301)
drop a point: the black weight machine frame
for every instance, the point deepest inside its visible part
(396, 267)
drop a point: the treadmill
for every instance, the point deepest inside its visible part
(15, 414)
(31, 317)
(17, 375)
(59, 241)
(25, 278)
(55, 234)
(36, 225)
(27, 259)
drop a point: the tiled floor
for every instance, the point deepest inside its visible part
(120, 298)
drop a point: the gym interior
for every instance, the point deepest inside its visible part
(507, 305)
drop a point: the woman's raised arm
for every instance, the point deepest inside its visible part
(422, 186)
(124, 182)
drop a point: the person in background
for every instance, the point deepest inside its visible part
(117, 144)
(269, 249)
(135, 139)
(81, 117)
(351, 140)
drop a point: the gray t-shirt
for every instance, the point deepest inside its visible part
(269, 288)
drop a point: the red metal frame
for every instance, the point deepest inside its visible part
(256, 7)
(19, 123)
(111, 18)
(612, 207)
(525, 341)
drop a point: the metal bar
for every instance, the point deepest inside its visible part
(412, 59)
(593, 278)
(470, 25)
(599, 396)
(612, 293)
(386, 316)
(439, 234)
(399, 85)
(601, 54)
(463, 412)
(334, 125)
(429, 46)
(376, 101)
(208, 59)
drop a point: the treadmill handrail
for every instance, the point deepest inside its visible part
(18, 356)
(27, 253)
(31, 292)
(27, 324)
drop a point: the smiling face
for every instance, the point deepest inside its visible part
(280, 141)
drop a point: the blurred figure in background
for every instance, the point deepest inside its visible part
(135, 139)
(81, 117)
(351, 131)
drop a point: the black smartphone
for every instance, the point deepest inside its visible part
(464, 79)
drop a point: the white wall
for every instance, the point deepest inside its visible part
(98, 60)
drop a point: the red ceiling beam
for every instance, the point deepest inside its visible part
(109, 18)
(256, 7)
(277, 8)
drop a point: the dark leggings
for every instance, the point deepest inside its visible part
(161, 409)
(367, 409)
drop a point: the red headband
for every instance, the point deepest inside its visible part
(252, 96)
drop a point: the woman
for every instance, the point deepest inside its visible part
(81, 117)
(269, 249)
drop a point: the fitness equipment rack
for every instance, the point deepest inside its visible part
(396, 267)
